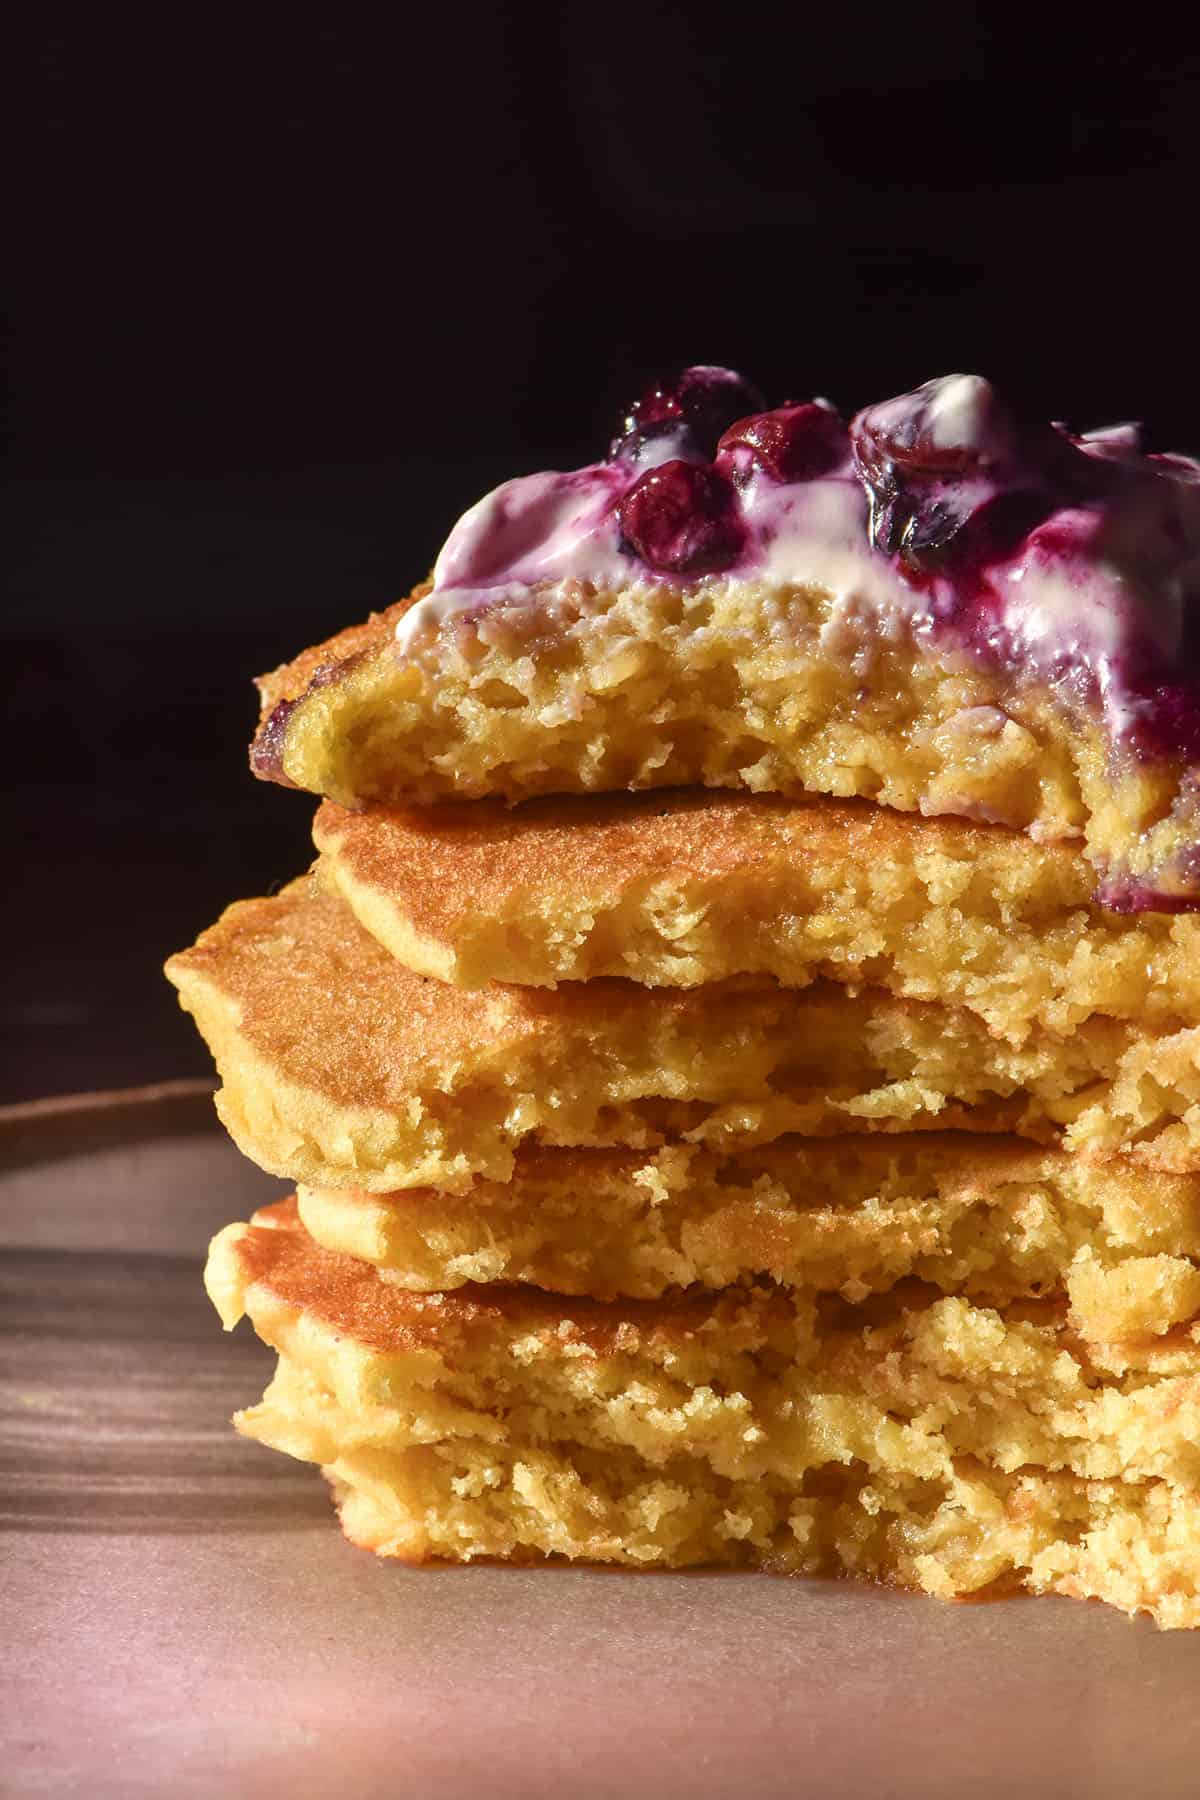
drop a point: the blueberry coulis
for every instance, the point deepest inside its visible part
(1078, 556)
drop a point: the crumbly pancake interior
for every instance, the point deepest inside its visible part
(994, 1219)
(537, 1414)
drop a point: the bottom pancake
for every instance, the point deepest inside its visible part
(915, 1437)
(1134, 1545)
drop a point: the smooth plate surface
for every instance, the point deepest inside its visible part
(181, 1615)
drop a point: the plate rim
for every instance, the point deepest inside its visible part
(65, 1125)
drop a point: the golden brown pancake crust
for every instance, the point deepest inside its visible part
(317, 995)
(344, 1069)
(290, 680)
(435, 855)
(679, 889)
(278, 1254)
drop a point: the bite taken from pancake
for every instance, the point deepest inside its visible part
(937, 607)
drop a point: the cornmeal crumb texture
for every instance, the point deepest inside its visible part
(674, 889)
(340, 1068)
(721, 684)
(915, 1437)
(988, 1217)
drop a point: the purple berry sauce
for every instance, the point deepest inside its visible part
(266, 751)
(1076, 557)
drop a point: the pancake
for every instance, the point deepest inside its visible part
(341, 1068)
(990, 1217)
(676, 889)
(935, 606)
(916, 1438)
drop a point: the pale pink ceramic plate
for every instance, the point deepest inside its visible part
(180, 1616)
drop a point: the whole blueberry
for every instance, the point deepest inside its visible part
(929, 462)
(682, 518)
(792, 443)
(692, 410)
(955, 425)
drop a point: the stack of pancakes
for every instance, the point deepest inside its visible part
(708, 1178)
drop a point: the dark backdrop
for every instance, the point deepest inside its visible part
(286, 298)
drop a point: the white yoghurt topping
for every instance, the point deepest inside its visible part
(1097, 591)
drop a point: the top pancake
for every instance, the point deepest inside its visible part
(679, 888)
